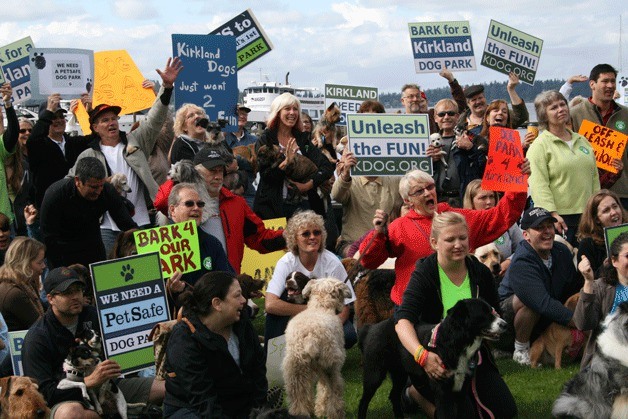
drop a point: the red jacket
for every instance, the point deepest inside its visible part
(409, 237)
(161, 199)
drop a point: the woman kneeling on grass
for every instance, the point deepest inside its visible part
(437, 284)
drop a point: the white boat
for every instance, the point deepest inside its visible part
(261, 94)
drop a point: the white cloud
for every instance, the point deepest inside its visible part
(135, 9)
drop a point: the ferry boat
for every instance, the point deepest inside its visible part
(260, 95)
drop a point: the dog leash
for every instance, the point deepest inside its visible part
(357, 268)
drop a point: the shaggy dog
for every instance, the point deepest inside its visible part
(300, 170)
(557, 340)
(120, 182)
(372, 292)
(315, 351)
(124, 245)
(489, 256)
(436, 141)
(327, 126)
(19, 398)
(295, 284)
(600, 391)
(81, 361)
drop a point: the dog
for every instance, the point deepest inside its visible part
(299, 170)
(120, 182)
(557, 340)
(19, 398)
(490, 257)
(315, 352)
(574, 250)
(325, 131)
(247, 152)
(372, 292)
(124, 245)
(82, 360)
(251, 288)
(295, 283)
(601, 390)
(436, 141)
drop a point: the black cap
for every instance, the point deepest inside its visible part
(471, 91)
(209, 158)
(535, 216)
(44, 106)
(60, 279)
(102, 108)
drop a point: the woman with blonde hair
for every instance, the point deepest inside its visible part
(190, 134)
(19, 283)
(277, 196)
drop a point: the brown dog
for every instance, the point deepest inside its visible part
(557, 340)
(250, 287)
(124, 245)
(490, 257)
(19, 398)
(247, 152)
(300, 170)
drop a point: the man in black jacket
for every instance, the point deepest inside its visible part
(48, 342)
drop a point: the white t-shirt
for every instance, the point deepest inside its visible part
(117, 164)
(327, 266)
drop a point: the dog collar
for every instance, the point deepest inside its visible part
(434, 336)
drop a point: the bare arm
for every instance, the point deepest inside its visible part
(278, 307)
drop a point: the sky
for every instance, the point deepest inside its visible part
(359, 43)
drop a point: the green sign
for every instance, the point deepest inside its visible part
(131, 299)
(442, 45)
(387, 144)
(610, 234)
(508, 49)
(177, 245)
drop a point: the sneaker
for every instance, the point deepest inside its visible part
(521, 357)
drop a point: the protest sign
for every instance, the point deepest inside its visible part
(177, 245)
(262, 266)
(503, 168)
(251, 40)
(16, 69)
(507, 49)
(441, 45)
(607, 144)
(83, 118)
(67, 71)
(348, 98)
(388, 144)
(274, 358)
(16, 341)
(610, 234)
(118, 82)
(131, 299)
(209, 76)
(622, 88)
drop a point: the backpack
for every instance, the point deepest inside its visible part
(160, 335)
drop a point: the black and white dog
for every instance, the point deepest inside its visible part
(107, 399)
(295, 283)
(601, 390)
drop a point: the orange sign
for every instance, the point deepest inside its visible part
(118, 81)
(607, 144)
(503, 168)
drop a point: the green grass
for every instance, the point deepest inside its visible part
(534, 390)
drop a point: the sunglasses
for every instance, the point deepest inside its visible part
(448, 113)
(25, 130)
(190, 204)
(418, 192)
(5, 227)
(306, 234)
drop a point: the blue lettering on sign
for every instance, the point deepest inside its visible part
(133, 315)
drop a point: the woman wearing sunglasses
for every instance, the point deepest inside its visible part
(305, 239)
(21, 190)
(8, 141)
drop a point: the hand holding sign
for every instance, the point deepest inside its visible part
(506, 168)
(608, 145)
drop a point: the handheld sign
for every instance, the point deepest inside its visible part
(388, 145)
(209, 76)
(276, 354)
(505, 155)
(507, 49)
(262, 266)
(66, 71)
(441, 45)
(177, 245)
(622, 88)
(348, 98)
(118, 82)
(16, 341)
(131, 299)
(607, 144)
(16, 69)
(610, 234)
(251, 40)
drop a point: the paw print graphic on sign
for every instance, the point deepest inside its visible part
(39, 60)
(127, 272)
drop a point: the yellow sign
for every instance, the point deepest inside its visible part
(261, 266)
(83, 118)
(118, 81)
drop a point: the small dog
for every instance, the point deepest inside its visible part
(120, 182)
(81, 361)
(601, 390)
(300, 170)
(124, 245)
(295, 284)
(325, 131)
(19, 398)
(251, 288)
(557, 340)
(574, 251)
(315, 352)
(247, 152)
(490, 257)
(436, 141)
(372, 292)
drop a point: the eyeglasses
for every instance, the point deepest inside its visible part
(448, 113)
(25, 130)
(191, 203)
(412, 97)
(421, 191)
(307, 233)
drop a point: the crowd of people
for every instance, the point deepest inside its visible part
(60, 211)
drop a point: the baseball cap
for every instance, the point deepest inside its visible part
(57, 113)
(209, 158)
(102, 108)
(535, 216)
(60, 279)
(241, 106)
(471, 91)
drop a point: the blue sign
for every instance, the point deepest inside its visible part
(209, 76)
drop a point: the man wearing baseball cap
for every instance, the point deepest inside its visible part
(48, 343)
(241, 136)
(541, 277)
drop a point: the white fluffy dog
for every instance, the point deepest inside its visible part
(315, 351)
